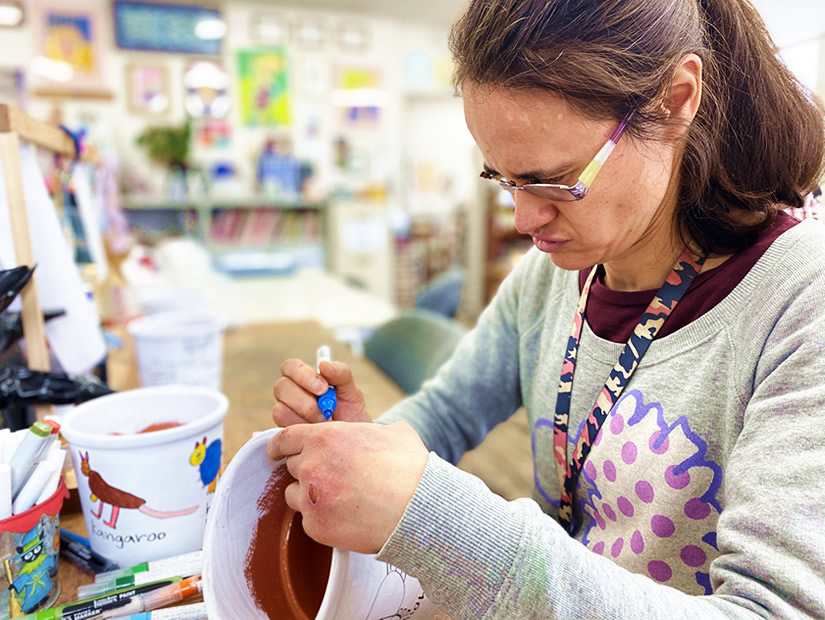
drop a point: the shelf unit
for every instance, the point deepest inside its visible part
(233, 224)
(505, 245)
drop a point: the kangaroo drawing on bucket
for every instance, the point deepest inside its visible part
(118, 499)
(208, 461)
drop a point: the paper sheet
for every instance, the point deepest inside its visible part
(91, 216)
(75, 339)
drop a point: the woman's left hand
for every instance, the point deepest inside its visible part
(353, 481)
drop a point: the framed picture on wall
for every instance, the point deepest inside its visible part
(68, 52)
(263, 87)
(309, 34)
(147, 88)
(268, 28)
(353, 36)
(166, 27)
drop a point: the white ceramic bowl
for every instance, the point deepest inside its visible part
(359, 586)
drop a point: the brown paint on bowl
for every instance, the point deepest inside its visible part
(286, 570)
(152, 428)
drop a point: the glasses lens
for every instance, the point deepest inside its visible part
(549, 192)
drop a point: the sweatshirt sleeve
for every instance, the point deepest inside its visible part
(477, 388)
(479, 556)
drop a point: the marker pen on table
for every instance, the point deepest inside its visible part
(161, 597)
(98, 606)
(79, 550)
(328, 401)
(178, 569)
(183, 612)
(164, 564)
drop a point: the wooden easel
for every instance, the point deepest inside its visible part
(16, 125)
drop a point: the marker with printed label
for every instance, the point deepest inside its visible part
(161, 597)
(328, 401)
(183, 612)
(99, 607)
(178, 570)
(175, 564)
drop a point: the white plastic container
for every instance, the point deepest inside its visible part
(154, 300)
(145, 495)
(179, 348)
(359, 586)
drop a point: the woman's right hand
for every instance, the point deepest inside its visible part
(297, 391)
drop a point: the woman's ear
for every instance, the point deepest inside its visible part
(681, 101)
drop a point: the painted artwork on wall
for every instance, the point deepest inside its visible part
(263, 87)
(68, 44)
(165, 27)
(147, 88)
(359, 97)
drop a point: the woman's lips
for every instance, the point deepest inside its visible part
(548, 244)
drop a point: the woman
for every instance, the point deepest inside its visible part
(679, 475)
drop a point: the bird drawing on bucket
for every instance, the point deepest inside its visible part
(107, 494)
(208, 460)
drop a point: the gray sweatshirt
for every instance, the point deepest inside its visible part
(704, 495)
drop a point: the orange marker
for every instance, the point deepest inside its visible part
(185, 588)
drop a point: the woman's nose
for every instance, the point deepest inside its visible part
(532, 212)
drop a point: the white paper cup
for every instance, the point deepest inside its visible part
(359, 587)
(145, 496)
(178, 348)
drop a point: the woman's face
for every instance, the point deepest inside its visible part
(535, 137)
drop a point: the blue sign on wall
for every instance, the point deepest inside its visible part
(155, 27)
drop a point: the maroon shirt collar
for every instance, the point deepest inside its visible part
(613, 315)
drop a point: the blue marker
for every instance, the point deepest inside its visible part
(77, 549)
(328, 401)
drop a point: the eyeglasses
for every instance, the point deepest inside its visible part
(567, 193)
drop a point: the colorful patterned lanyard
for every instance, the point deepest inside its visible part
(680, 278)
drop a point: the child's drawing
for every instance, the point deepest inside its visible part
(208, 460)
(388, 603)
(118, 499)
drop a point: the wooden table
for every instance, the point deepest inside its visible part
(252, 360)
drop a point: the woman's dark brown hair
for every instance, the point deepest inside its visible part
(758, 139)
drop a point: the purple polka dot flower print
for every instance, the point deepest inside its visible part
(648, 496)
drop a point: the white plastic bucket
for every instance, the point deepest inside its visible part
(145, 495)
(178, 348)
(358, 586)
(155, 300)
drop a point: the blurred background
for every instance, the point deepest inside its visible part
(302, 167)
(276, 137)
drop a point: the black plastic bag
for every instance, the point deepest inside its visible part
(11, 326)
(12, 282)
(18, 384)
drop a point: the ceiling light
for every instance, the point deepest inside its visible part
(210, 29)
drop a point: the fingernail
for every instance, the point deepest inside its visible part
(319, 386)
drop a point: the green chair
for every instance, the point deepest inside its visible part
(412, 347)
